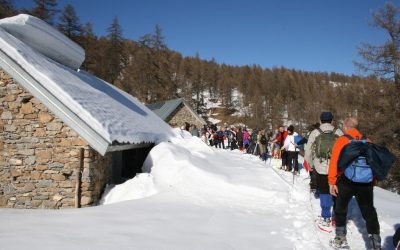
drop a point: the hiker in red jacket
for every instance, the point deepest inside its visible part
(280, 140)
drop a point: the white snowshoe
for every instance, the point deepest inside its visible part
(324, 224)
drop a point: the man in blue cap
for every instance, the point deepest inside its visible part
(317, 155)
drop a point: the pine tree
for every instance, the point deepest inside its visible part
(6, 8)
(88, 41)
(45, 10)
(157, 73)
(69, 22)
(115, 55)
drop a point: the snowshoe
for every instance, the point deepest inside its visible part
(324, 224)
(339, 242)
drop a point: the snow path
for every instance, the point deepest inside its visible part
(194, 197)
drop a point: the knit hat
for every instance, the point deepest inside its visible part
(326, 116)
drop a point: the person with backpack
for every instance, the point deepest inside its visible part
(317, 154)
(280, 140)
(263, 145)
(210, 136)
(227, 135)
(239, 138)
(292, 151)
(343, 188)
(220, 136)
(313, 181)
(246, 139)
(253, 142)
(232, 138)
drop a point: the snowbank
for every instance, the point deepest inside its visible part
(187, 166)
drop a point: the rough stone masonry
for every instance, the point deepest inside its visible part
(39, 155)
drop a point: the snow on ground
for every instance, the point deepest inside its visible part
(213, 120)
(192, 196)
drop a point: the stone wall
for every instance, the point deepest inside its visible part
(39, 155)
(182, 115)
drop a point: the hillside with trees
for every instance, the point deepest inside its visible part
(152, 72)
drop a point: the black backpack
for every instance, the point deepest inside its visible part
(263, 140)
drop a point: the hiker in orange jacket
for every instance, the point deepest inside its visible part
(344, 189)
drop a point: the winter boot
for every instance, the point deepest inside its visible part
(339, 242)
(375, 241)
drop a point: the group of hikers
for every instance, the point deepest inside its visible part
(338, 171)
(248, 140)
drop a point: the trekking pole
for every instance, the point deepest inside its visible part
(293, 178)
(293, 171)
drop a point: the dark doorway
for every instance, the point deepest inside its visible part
(127, 163)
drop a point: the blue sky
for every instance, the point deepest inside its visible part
(309, 35)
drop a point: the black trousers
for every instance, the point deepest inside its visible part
(322, 182)
(292, 160)
(284, 156)
(364, 194)
(313, 179)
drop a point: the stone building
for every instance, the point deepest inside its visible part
(65, 134)
(177, 113)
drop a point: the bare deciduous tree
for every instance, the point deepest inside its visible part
(384, 60)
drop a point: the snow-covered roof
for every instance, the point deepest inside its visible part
(165, 108)
(99, 112)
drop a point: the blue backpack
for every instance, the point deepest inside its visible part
(359, 157)
(358, 170)
(297, 139)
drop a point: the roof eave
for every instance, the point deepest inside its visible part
(113, 148)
